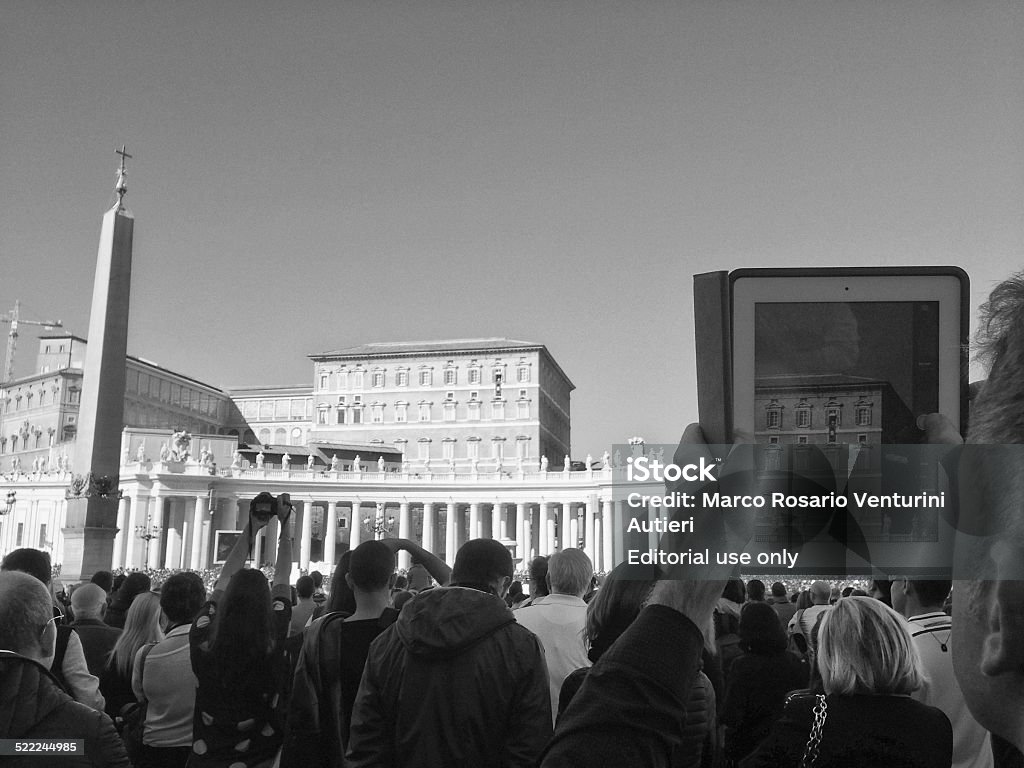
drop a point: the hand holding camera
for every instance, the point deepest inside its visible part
(266, 506)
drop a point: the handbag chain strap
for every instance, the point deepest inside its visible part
(811, 750)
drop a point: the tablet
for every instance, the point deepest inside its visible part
(847, 356)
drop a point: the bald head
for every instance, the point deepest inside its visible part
(88, 601)
(821, 592)
(25, 613)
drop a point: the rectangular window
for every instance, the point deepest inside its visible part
(449, 411)
(802, 440)
(450, 377)
(523, 374)
(377, 413)
(298, 408)
(165, 391)
(424, 412)
(341, 414)
(448, 447)
(424, 451)
(323, 381)
(425, 378)
(863, 417)
(280, 409)
(498, 411)
(473, 411)
(474, 375)
(321, 416)
(773, 419)
(357, 415)
(402, 379)
(358, 380)
(803, 418)
(523, 409)
(473, 449)
(378, 378)
(401, 412)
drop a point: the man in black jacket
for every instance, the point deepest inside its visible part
(33, 707)
(455, 681)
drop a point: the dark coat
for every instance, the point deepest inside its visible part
(98, 639)
(454, 682)
(860, 730)
(758, 684)
(33, 706)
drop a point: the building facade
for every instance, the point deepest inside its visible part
(439, 442)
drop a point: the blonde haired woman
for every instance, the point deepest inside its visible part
(869, 667)
(141, 627)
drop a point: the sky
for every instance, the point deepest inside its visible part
(308, 176)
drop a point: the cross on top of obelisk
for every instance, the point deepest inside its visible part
(122, 185)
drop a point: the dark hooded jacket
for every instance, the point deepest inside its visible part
(454, 682)
(34, 707)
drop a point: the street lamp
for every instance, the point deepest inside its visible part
(379, 525)
(12, 497)
(147, 533)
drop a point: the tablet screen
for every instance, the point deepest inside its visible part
(844, 372)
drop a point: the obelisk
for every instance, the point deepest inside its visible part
(92, 497)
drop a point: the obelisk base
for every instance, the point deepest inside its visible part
(88, 537)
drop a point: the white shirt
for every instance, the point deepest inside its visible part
(808, 619)
(169, 685)
(558, 620)
(972, 744)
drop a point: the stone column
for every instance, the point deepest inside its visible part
(607, 531)
(131, 540)
(474, 521)
(621, 512)
(198, 527)
(156, 506)
(204, 552)
(574, 531)
(565, 537)
(588, 531)
(497, 520)
(404, 532)
(307, 532)
(428, 527)
(451, 532)
(331, 534)
(598, 555)
(528, 550)
(355, 524)
(522, 542)
(172, 548)
(544, 544)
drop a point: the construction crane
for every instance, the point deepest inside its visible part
(12, 337)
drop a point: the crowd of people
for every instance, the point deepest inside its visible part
(455, 666)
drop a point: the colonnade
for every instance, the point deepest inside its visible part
(159, 528)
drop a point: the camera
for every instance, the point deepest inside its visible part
(266, 505)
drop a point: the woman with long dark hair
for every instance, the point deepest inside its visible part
(238, 656)
(758, 680)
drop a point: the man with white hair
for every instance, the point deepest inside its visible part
(33, 706)
(89, 603)
(559, 618)
(805, 620)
